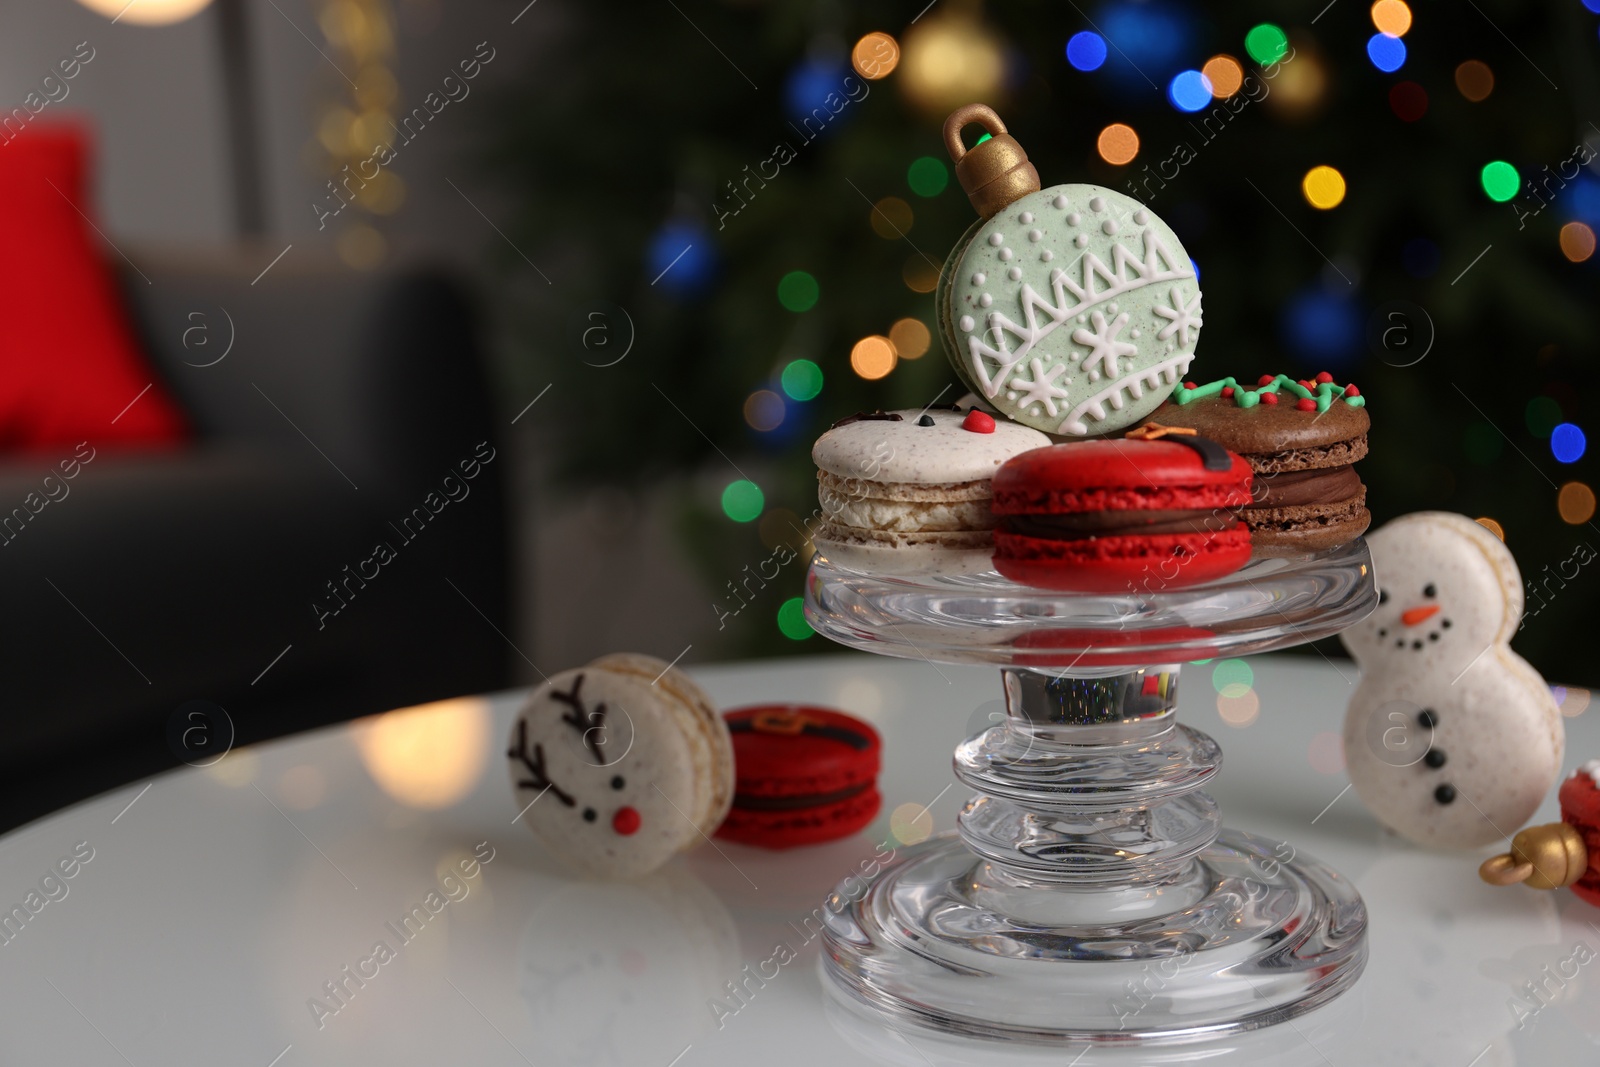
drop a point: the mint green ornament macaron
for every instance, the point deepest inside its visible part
(1072, 309)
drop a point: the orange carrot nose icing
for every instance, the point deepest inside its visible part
(1417, 616)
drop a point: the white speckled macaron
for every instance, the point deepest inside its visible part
(907, 492)
(620, 765)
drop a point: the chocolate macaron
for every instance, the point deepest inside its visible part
(1300, 438)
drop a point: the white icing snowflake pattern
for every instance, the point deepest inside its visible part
(1104, 348)
(1042, 389)
(1181, 317)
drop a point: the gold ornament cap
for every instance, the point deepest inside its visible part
(994, 173)
(1552, 856)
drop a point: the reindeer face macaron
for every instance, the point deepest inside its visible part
(1451, 739)
(620, 765)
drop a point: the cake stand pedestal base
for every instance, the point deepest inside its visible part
(1263, 939)
(1089, 892)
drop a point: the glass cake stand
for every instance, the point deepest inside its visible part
(1090, 892)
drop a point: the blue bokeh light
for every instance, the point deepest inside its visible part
(1194, 267)
(1323, 327)
(1592, 5)
(1189, 91)
(682, 258)
(1147, 40)
(1567, 443)
(810, 83)
(1585, 198)
(1387, 53)
(1086, 50)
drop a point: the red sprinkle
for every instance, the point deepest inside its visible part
(1305, 384)
(1324, 377)
(1188, 385)
(1351, 390)
(1265, 379)
(1227, 390)
(978, 422)
(1306, 404)
(626, 821)
(1269, 398)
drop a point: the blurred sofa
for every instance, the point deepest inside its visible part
(333, 542)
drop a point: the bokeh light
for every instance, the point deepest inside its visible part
(875, 56)
(802, 379)
(1323, 187)
(1189, 90)
(1575, 502)
(1232, 677)
(1541, 416)
(429, 756)
(891, 218)
(911, 824)
(809, 84)
(780, 526)
(1409, 101)
(1118, 143)
(1492, 526)
(872, 357)
(1573, 700)
(1325, 753)
(1567, 443)
(919, 273)
(1392, 17)
(1300, 87)
(764, 410)
(1500, 180)
(1323, 325)
(742, 500)
(927, 176)
(951, 59)
(1225, 75)
(910, 338)
(1239, 711)
(682, 258)
(1577, 241)
(1266, 44)
(1086, 50)
(792, 619)
(1474, 80)
(798, 291)
(1387, 53)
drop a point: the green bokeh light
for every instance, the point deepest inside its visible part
(742, 500)
(1232, 677)
(792, 619)
(1482, 443)
(1542, 414)
(928, 176)
(802, 379)
(1500, 180)
(1266, 44)
(798, 291)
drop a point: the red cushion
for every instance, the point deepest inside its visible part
(69, 364)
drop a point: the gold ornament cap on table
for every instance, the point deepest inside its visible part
(994, 173)
(1552, 856)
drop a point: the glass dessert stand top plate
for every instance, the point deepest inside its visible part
(984, 618)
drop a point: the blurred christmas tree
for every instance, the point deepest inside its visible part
(1405, 201)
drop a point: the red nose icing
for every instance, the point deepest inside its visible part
(625, 821)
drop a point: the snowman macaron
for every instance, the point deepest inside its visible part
(1451, 739)
(620, 765)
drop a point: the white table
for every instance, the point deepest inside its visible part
(218, 902)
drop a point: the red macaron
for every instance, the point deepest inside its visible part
(802, 775)
(1580, 807)
(1122, 515)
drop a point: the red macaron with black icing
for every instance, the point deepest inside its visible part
(803, 775)
(1157, 509)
